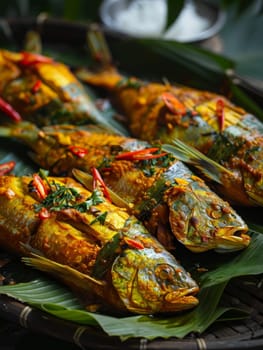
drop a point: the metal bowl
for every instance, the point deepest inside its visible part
(212, 15)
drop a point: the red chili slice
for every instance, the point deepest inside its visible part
(29, 59)
(44, 214)
(142, 154)
(36, 86)
(220, 113)
(173, 104)
(133, 243)
(6, 167)
(78, 151)
(9, 110)
(150, 156)
(97, 180)
(40, 186)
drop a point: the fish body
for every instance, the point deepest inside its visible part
(113, 261)
(160, 190)
(44, 91)
(206, 121)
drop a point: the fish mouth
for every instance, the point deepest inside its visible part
(181, 299)
(232, 239)
(224, 239)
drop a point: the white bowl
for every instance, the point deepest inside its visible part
(199, 20)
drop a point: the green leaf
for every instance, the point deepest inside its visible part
(242, 37)
(71, 9)
(254, 227)
(177, 62)
(247, 262)
(174, 8)
(59, 301)
(39, 290)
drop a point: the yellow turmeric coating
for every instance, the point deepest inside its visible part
(158, 186)
(93, 257)
(209, 122)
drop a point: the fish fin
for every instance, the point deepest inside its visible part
(29, 249)
(33, 42)
(211, 169)
(98, 46)
(106, 78)
(86, 180)
(23, 130)
(255, 227)
(98, 129)
(257, 199)
(103, 73)
(63, 272)
(5, 131)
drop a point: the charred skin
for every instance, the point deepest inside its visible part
(206, 121)
(74, 243)
(165, 194)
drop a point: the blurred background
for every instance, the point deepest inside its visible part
(235, 45)
(241, 34)
(67, 9)
(88, 10)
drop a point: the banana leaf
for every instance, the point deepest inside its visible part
(57, 300)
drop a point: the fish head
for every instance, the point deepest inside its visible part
(150, 280)
(202, 221)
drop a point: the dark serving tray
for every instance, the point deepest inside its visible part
(245, 293)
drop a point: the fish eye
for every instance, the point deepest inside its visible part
(215, 211)
(165, 272)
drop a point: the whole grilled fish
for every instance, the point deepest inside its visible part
(92, 245)
(39, 89)
(210, 123)
(164, 193)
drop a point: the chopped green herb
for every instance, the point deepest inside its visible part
(44, 175)
(62, 197)
(149, 171)
(129, 83)
(101, 218)
(148, 166)
(106, 163)
(94, 199)
(106, 256)
(224, 147)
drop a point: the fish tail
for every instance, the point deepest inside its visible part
(64, 273)
(104, 74)
(6, 131)
(209, 168)
(106, 78)
(98, 46)
(23, 131)
(33, 42)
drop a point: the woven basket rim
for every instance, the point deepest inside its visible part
(86, 336)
